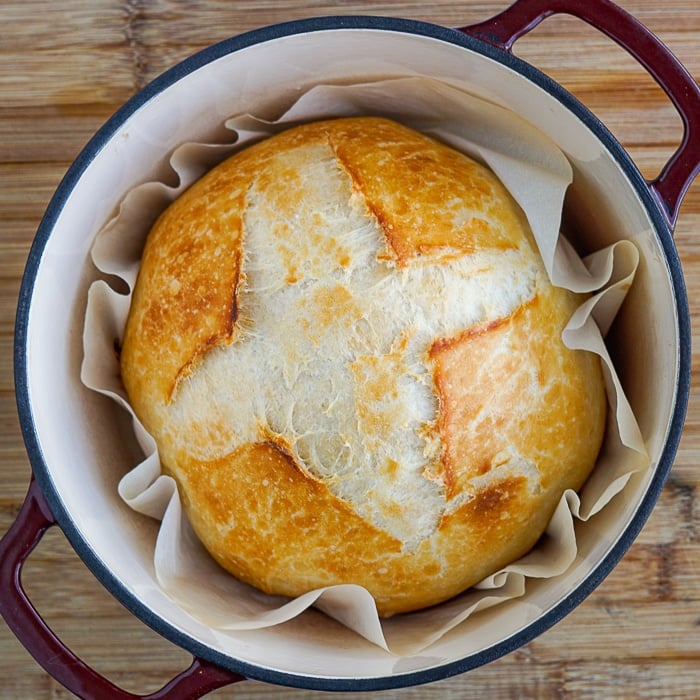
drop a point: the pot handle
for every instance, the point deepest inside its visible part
(670, 186)
(32, 522)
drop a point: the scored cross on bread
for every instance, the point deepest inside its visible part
(346, 346)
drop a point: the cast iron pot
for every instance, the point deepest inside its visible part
(73, 483)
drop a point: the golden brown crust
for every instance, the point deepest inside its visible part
(409, 183)
(187, 304)
(527, 397)
(520, 418)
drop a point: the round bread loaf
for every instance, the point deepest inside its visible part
(347, 349)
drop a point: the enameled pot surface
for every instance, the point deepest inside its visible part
(80, 443)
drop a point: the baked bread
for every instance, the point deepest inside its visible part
(348, 351)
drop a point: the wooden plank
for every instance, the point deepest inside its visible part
(54, 133)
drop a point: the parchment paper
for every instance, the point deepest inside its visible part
(537, 175)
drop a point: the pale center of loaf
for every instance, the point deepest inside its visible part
(331, 352)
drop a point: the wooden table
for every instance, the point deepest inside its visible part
(65, 67)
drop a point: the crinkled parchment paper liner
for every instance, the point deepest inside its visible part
(537, 174)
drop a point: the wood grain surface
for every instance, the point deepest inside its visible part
(65, 67)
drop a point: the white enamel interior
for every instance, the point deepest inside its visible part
(86, 441)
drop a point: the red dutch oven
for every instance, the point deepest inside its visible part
(74, 469)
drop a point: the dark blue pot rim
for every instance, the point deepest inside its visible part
(91, 558)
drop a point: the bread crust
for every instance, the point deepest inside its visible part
(502, 416)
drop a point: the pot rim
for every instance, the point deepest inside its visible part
(42, 471)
